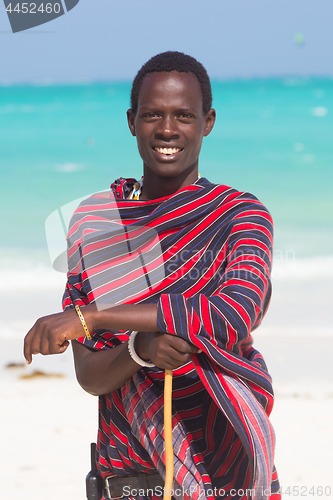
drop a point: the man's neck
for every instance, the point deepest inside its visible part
(155, 186)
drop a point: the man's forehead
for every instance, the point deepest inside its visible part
(170, 85)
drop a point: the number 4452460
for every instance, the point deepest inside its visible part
(304, 491)
(31, 8)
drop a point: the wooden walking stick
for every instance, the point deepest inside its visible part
(168, 484)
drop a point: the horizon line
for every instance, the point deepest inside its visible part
(49, 82)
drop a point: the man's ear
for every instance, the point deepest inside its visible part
(210, 120)
(131, 120)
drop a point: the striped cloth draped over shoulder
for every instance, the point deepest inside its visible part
(204, 256)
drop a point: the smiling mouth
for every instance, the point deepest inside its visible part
(168, 151)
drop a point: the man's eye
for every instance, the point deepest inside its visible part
(150, 115)
(185, 116)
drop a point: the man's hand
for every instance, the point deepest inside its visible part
(51, 334)
(164, 350)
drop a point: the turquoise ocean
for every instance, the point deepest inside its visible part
(273, 138)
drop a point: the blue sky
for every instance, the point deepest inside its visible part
(111, 39)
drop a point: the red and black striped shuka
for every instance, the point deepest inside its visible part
(205, 256)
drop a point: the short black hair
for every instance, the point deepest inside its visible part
(173, 61)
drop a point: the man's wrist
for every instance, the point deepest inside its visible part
(133, 353)
(140, 344)
(89, 313)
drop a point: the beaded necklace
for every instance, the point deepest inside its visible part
(137, 188)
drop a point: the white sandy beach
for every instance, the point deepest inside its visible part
(48, 423)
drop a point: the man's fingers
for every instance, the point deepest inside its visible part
(62, 348)
(28, 356)
(27, 351)
(173, 357)
(44, 347)
(35, 346)
(55, 347)
(179, 360)
(171, 352)
(183, 346)
(50, 334)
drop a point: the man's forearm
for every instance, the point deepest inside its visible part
(103, 371)
(139, 317)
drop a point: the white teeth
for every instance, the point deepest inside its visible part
(167, 151)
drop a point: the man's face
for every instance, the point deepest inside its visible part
(170, 123)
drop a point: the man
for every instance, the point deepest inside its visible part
(206, 290)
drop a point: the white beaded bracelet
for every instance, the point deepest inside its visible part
(134, 355)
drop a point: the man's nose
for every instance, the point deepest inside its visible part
(167, 128)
